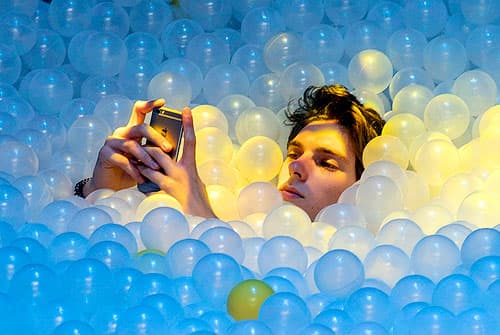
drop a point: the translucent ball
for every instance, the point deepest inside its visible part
(250, 58)
(456, 231)
(341, 13)
(478, 14)
(173, 87)
(272, 312)
(135, 77)
(233, 106)
(74, 109)
(339, 272)
(335, 73)
(150, 16)
(282, 50)
(405, 48)
(245, 299)
(388, 169)
(261, 23)
(322, 44)
(111, 253)
(224, 240)
(435, 256)
(297, 77)
(484, 271)
(407, 76)
(432, 318)
(370, 70)
(437, 60)
(39, 143)
(336, 319)
(387, 263)
(176, 36)
(209, 116)
(411, 289)
(377, 197)
(412, 99)
(476, 318)
(405, 126)
(214, 276)
(213, 143)
(369, 304)
(188, 69)
(218, 172)
(259, 159)
(477, 89)
(230, 36)
(265, 91)
(448, 114)
(116, 233)
(87, 134)
(356, 239)
(300, 16)
(48, 86)
(282, 251)
(480, 243)
(48, 51)
(141, 318)
(436, 160)
(18, 159)
(257, 121)
(57, 214)
(97, 87)
(340, 215)
(182, 256)
(386, 147)
(207, 50)
(429, 17)
(258, 197)
(206, 224)
(67, 246)
(223, 201)
(87, 220)
(162, 227)
(111, 18)
(144, 45)
(36, 192)
(72, 164)
(388, 15)
(481, 43)
(223, 80)
(70, 18)
(401, 233)
(210, 14)
(364, 35)
(105, 53)
(457, 293)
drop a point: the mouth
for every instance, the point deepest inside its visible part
(289, 193)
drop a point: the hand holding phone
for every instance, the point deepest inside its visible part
(168, 122)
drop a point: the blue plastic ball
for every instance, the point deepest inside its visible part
(427, 16)
(250, 58)
(210, 14)
(151, 16)
(10, 64)
(260, 24)
(207, 50)
(105, 54)
(67, 247)
(480, 243)
(188, 69)
(284, 313)
(70, 17)
(49, 51)
(457, 293)
(135, 77)
(222, 80)
(110, 17)
(183, 255)
(111, 253)
(176, 36)
(144, 45)
(18, 30)
(432, 319)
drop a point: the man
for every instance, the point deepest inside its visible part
(330, 129)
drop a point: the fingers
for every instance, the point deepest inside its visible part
(189, 148)
(128, 149)
(141, 108)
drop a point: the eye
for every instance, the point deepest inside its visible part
(293, 154)
(328, 164)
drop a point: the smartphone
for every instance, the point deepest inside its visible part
(168, 122)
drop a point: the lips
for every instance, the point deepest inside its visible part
(290, 193)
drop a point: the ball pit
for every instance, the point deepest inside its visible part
(412, 248)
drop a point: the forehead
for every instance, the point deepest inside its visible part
(327, 133)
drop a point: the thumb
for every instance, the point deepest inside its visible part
(189, 147)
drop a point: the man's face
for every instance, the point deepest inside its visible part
(319, 166)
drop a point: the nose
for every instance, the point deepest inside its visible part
(297, 169)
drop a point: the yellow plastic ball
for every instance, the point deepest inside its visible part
(259, 159)
(245, 299)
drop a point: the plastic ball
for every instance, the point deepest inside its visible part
(86, 135)
(322, 44)
(250, 58)
(187, 68)
(231, 37)
(282, 251)
(364, 35)
(387, 263)
(114, 109)
(259, 159)
(87, 220)
(12, 259)
(209, 116)
(437, 61)
(111, 18)
(210, 14)
(297, 77)
(141, 318)
(388, 15)
(386, 147)
(135, 77)
(48, 51)
(356, 239)
(265, 91)
(183, 255)
(256, 121)
(207, 50)
(34, 284)
(162, 227)
(57, 214)
(448, 114)
(434, 256)
(176, 36)
(336, 319)
(408, 76)
(412, 289)
(149, 284)
(214, 276)
(432, 318)
(480, 243)
(480, 14)
(173, 87)
(97, 87)
(341, 13)
(280, 322)
(105, 53)
(429, 17)
(412, 99)
(476, 320)
(224, 240)
(339, 272)
(340, 215)
(111, 253)
(258, 197)
(369, 304)
(69, 18)
(245, 299)
(405, 48)
(485, 271)
(144, 45)
(48, 89)
(300, 16)
(456, 293)
(222, 80)
(151, 16)
(477, 89)
(260, 24)
(282, 50)
(67, 246)
(370, 70)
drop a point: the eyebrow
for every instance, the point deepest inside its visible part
(342, 158)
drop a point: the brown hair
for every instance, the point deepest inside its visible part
(335, 102)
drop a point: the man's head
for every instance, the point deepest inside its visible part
(330, 129)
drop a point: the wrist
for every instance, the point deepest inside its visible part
(81, 188)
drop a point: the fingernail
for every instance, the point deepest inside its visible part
(154, 165)
(166, 146)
